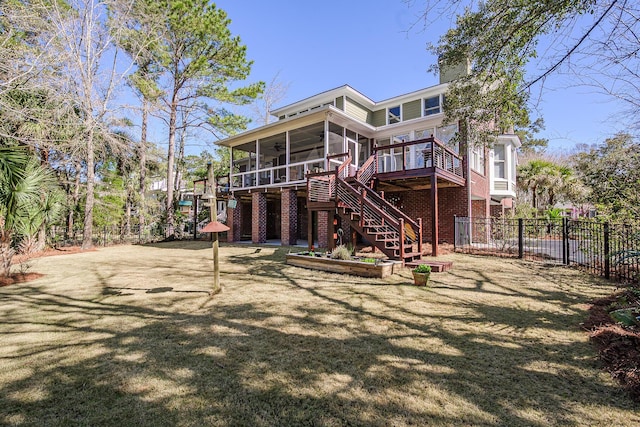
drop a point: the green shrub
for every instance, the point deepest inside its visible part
(341, 252)
(422, 268)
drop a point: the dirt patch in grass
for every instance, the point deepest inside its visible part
(25, 277)
(618, 345)
(66, 250)
(19, 278)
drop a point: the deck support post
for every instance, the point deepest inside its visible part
(310, 229)
(434, 215)
(331, 229)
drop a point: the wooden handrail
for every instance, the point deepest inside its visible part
(319, 174)
(401, 230)
(344, 164)
(416, 142)
(369, 166)
(333, 156)
(397, 211)
(365, 200)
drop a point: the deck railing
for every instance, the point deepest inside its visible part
(418, 154)
(277, 175)
(367, 170)
(321, 186)
(412, 229)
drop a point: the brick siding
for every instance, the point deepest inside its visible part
(417, 204)
(323, 228)
(480, 209)
(259, 218)
(497, 211)
(289, 217)
(234, 222)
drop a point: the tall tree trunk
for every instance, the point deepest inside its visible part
(179, 161)
(126, 228)
(6, 251)
(87, 233)
(74, 200)
(42, 238)
(170, 162)
(142, 209)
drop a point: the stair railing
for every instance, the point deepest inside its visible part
(321, 186)
(371, 215)
(412, 230)
(368, 169)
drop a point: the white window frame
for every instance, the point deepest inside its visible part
(398, 117)
(430, 111)
(478, 159)
(503, 162)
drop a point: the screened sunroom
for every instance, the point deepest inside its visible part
(285, 157)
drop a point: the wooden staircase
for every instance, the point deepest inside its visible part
(378, 221)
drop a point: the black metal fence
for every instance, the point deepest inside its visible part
(604, 249)
(106, 236)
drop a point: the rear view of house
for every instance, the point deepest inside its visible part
(339, 165)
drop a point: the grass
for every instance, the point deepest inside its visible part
(130, 336)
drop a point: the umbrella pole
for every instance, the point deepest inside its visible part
(214, 217)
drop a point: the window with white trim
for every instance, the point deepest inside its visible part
(393, 115)
(424, 133)
(432, 105)
(499, 164)
(477, 159)
(446, 134)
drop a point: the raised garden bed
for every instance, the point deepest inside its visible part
(379, 269)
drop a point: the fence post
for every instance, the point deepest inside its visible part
(104, 234)
(520, 238)
(139, 233)
(607, 260)
(565, 241)
(455, 232)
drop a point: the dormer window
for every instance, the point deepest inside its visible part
(432, 105)
(393, 115)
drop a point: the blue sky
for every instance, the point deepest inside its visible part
(375, 47)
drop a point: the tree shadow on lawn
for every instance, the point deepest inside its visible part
(316, 361)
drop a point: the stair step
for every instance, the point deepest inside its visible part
(376, 226)
(372, 224)
(386, 234)
(412, 254)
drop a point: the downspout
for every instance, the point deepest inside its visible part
(468, 168)
(469, 206)
(326, 142)
(230, 169)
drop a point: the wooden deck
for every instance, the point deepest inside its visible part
(436, 266)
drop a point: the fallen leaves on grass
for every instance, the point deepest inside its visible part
(618, 346)
(19, 278)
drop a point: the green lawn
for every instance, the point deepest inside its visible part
(130, 336)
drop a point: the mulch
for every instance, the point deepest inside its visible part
(618, 345)
(16, 278)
